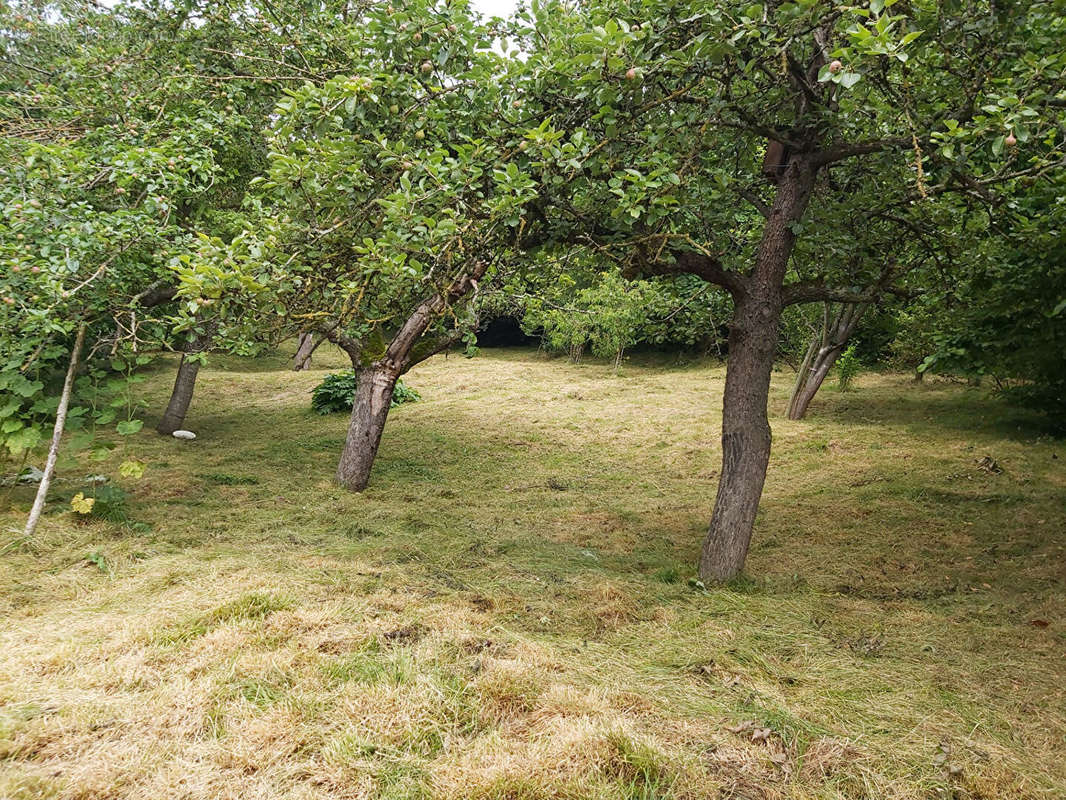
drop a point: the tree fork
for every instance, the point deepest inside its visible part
(376, 380)
(825, 348)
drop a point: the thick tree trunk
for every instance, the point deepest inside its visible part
(306, 348)
(57, 434)
(180, 397)
(745, 440)
(822, 354)
(373, 397)
(185, 382)
(752, 346)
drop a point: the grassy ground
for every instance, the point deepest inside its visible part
(507, 612)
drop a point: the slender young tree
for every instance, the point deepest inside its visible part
(838, 323)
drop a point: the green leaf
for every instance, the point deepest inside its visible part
(25, 439)
(129, 427)
(11, 425)
(849, 79)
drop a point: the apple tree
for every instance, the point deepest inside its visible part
(735, 141)
(392, 196)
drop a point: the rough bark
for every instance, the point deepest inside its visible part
(752, 345)
(185, 383)
(826, 346)
(373, 397)
(377, 378)
(57, 434)
(304, 351)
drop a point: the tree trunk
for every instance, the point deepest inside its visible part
(306, 348)
(180, 397)
(752, 345)
(57, 434)
(377, 380)
(185, 383)
(826, 347)
(745, 440)
(373, 397)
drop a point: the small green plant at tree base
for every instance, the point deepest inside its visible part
(848, 366)
(101, 502)
(336, 393)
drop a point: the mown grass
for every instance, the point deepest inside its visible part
(508, 611)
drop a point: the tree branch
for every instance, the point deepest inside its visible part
(833, 154)
(817, 290)
(688, 262)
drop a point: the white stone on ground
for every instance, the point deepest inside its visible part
(183, 435)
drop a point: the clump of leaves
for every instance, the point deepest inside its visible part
(110, 503)
(80, 504)
(336, 393)
(848, 366)
(102, 502)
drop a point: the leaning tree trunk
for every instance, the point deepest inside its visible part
(377, 380)
(306, 348)
(826, 346)
(57, 434)
(185, 383)
(373, 398)
(745, 439)
(180, 397)
(752, 346)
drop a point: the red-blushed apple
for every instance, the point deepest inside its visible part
(427, 67)
(631, 74)
(835, 66)
(1011, 139)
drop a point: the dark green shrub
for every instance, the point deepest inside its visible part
(110, 503)
(336, 393)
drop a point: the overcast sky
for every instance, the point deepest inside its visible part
(494, 8)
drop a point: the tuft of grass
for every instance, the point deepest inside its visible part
(640, 768)
(253, 606)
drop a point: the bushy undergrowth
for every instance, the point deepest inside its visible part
(336, 393)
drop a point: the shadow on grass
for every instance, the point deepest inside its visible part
(924, 408)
